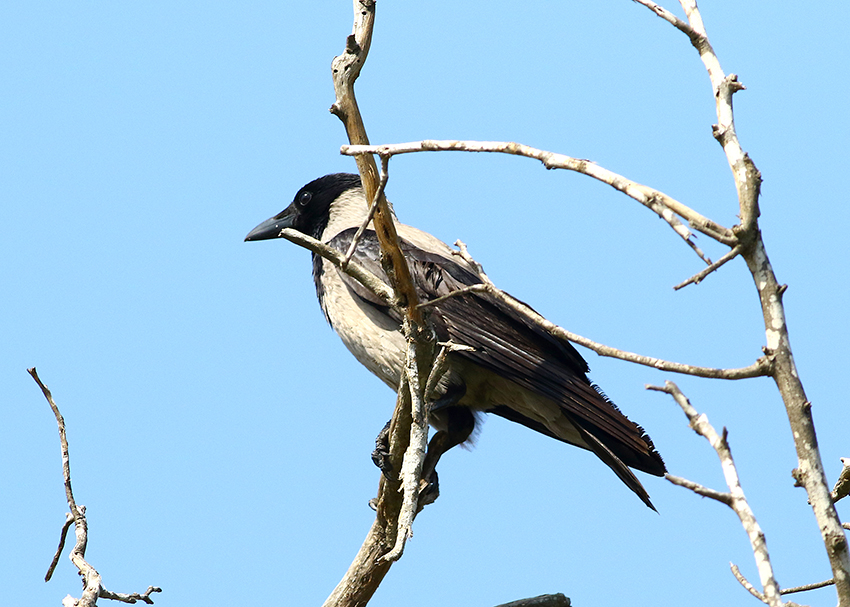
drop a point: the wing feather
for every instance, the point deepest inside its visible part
(516, 349)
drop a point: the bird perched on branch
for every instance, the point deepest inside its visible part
(511, 368)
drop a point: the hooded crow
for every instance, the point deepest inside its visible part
(512, 368)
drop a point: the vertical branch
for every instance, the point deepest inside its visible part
(810, 472)
(346, 68)
(368, 568)
(414, 456)
(63, 442)
(385, 538)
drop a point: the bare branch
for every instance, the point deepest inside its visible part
(92, 586)
(662, 204)
(810, 470)
(346, 68)
(724, 87)
(63, 442)
(758, 369)
(807, 587)
(368, 569)
(544, 600)
(724, 498)
(69, 520)
(441, 366)
(385, 175)
(749, 587)
(145, 597)
(355, 270)
(480, 288)
(738, 501)
(414, 456)
(673, 20)
(463, 253)
(746, 583)
(842, 485)
(747, 178)
(699, 276)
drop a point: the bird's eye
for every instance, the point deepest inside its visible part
(304, 198)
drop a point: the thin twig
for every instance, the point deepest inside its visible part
(355, 270)
(687, 238)
(441, 365)
(724, 498)
(480, 288)
(145, 597)
(385, 175)
(746, 583)
(737, 500)
(699, 276)
(807, 587)
(92, 583)
(463, 253)
(69, 520)
(758, 369)
(842, 485)
(663, 205)
(672, 19)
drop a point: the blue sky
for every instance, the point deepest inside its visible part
(141, 142)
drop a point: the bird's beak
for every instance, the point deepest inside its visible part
(271, 228)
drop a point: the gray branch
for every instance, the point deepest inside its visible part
(758, 369)
(736, 499)
(544, 600)
(810, 471)
(842, 485)
(663, 205)
(355, 270)
(92, 585)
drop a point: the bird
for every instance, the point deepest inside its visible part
(509, 366)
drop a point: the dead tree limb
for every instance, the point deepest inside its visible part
(810, 471)
(735, 498)
(743, 239)
(92, 583)
(385, 541)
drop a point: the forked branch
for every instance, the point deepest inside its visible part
(92, 583)
(666, 207)
(735, 499)
(810, 472)
(388, 534)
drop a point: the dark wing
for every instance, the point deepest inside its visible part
(513, 347)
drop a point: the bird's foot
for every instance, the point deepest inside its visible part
(429, 490)
(381, 454)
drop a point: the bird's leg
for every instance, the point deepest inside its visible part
(381, 454)
(457, 424)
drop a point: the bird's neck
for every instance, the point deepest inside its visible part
(349, 210)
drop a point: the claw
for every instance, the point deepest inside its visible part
(381, 454)
(429, 491)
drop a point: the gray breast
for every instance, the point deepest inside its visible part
(367, 331)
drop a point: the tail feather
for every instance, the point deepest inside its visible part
(615, 463)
